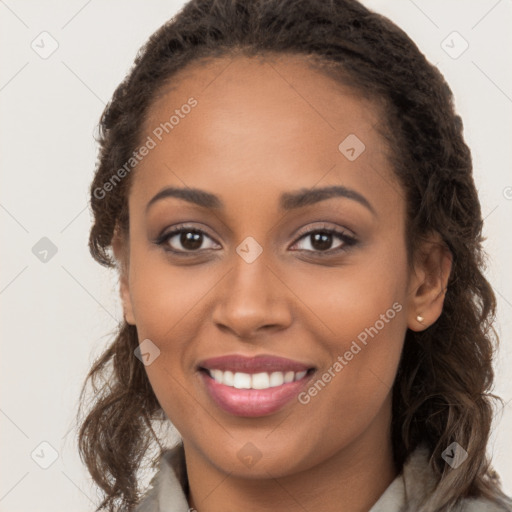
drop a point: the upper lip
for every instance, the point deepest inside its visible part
(256, 364)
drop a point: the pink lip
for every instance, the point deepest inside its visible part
(252, 402)
(257, 364)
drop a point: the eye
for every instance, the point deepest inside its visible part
(185, 239)
(321, 239)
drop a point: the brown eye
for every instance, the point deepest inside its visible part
(190, 240)
(186, 239)
(322, 240)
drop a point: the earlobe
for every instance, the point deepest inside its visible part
(120, 248)
(429, 284)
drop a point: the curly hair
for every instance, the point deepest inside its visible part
(442, 391)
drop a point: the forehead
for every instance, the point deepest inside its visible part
(242, 94)
(266, 123)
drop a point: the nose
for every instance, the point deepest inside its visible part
(252, 299)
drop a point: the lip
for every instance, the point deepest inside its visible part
(253, 402)
(256, 364)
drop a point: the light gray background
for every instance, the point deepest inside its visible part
(58, 315)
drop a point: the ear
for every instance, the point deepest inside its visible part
(120, 246)
(428, 283)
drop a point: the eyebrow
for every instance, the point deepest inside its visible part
(288, 200)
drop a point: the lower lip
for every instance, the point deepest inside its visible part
(252, 402)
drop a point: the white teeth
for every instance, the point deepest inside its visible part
(260, 381)
(227, 378)
(288, 377)
(217, 375)
(276, 379)
(240, 380)
(300, 375)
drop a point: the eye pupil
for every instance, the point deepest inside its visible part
(191, 240)
(322, 241)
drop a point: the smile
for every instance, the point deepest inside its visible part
(262, 380)
(256, 386)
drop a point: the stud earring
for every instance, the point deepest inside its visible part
(420, 319)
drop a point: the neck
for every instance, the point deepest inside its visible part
(351, 480)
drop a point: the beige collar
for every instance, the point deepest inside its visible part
(404, 494)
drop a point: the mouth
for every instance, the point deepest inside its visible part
(255, 386)
(262, 380)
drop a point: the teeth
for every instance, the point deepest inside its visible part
(276, 379)
(288, 377)
(216, 374)
(260, 381)
(299, 375)
(240, 380)
(228, 378)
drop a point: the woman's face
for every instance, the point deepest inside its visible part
(244, 289)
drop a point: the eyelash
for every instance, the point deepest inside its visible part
(348, 240)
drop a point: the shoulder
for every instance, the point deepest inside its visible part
(480, 505)
(166, 489)
(420, 483)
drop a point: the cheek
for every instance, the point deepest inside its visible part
(353, 390)
(168, 303)
(362, 311)
(165, 296)
(350, 299)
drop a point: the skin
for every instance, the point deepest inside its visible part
(263, 127)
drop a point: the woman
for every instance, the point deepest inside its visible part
(290, 205)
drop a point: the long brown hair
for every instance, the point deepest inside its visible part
(442, 389)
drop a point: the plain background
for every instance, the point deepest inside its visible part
(58, 315)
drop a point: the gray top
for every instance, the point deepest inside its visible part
(404, 494)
